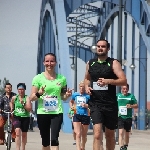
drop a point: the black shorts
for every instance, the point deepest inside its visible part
(21, 122)
(85, 120)
(125, 124)
(108, 118)
(47, 122)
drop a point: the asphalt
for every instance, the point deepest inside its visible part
(139, 140)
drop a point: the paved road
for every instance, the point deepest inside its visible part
(139, 140)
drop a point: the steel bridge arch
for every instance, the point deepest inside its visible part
(53, 33)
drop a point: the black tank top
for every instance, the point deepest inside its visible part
(104, 99)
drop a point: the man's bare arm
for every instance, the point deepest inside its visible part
(119, 73)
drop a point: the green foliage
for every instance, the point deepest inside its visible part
(2, 85)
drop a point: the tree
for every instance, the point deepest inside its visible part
(2, 85)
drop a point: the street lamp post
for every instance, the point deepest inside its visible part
(74, 65)
(119, 51)
(141, 114)
(76, 55)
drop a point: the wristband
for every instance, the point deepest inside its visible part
(37, 95)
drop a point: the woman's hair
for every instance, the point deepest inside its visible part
(21, 84)
(52, 54)
(81, 82)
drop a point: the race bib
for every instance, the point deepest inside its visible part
(50, 103)
(97, 87)
(123, 110)
(80, 100)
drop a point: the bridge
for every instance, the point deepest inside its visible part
(69, 28)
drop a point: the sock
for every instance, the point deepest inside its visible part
(122, 147)
(125, 145)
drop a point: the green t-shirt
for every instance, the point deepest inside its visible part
(50, 102)
(123, 100)
(19, 108)
(71, 113)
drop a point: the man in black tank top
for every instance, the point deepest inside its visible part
(102, 76)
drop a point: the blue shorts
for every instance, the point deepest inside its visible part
(85, 120)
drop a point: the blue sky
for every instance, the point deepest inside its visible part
(19, 25)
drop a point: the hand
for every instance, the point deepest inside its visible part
(72, 107)
(42, 90)
(88, 90)
(128, 106)
(102, 82)
(69, 92)
(83, 104)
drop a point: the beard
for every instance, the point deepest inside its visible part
(102, 54)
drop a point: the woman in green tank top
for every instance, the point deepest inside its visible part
(21, 116)
(49, 88)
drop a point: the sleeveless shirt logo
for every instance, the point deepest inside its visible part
(58, 83)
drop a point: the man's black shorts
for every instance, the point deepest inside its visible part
(125, 124)
(108, 118)
(85, 120)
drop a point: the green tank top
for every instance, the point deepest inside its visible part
(19, 108)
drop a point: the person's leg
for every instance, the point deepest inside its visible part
(121, 137)
(13, 133)
(97, 129)
(97, 120)
(126, 139)
(84, 135)
(102, 135)
(127, 126)
(18, 138)
(24, 140)
(56, 123)
(110, 123)
(44, 127)
(85, 124)
(24, 127)
(74, 134)
(2, 134)
(110, 139)
(17, 125)
(77, 130)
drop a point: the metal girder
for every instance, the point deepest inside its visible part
(84, 29)
(79, 29)
(73, 20)
(145, 20)
(87, 15)
(82, 35)
(79, 44)
(85, 8)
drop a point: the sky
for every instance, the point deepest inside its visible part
(19, 25)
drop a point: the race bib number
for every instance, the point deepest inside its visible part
(80, 100)
(50, 103)
(97, 87)
(123, 110)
